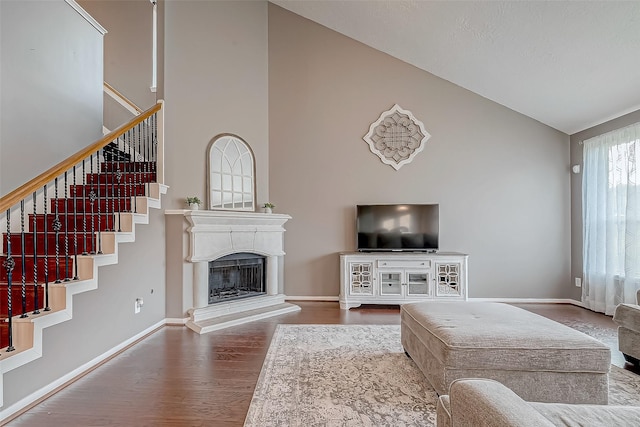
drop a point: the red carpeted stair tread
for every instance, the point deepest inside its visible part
(71, 241)
(89, 205)
(107, 190)
(71, 223)
(124, 176)
(104, 205)
(54, 269)
(127, 166)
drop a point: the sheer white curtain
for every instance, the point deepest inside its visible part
(611, 217)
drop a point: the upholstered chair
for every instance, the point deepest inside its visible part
(627, 316)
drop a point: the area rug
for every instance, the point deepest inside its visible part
(357, 375)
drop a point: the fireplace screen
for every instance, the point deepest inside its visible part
(236, 276)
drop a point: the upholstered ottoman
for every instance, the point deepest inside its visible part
(539, 359)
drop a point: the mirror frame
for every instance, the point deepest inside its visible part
(209, 170)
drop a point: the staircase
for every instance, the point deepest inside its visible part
(49, 253)
(61, 226)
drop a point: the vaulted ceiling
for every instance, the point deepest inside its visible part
(568, 64)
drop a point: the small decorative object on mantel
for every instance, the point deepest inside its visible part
(396, 137)
(268, 207)
(193, 202)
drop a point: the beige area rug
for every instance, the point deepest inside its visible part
(357, 375)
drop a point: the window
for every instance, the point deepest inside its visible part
(611, 218)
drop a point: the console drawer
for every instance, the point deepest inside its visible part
(407, 263)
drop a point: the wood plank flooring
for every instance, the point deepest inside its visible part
(176, 377)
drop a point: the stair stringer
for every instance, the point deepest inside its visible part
(29, 331)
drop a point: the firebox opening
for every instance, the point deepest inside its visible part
(236, 276)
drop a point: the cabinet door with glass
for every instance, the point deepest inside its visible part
(391, 283)
(360, 278)
(448, 279)
(417, 283)
(403, 283)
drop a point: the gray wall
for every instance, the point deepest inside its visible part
(103, 318)
(127, 46)
(576, 188)
(501, 179)
(50, 85)
(216, 82)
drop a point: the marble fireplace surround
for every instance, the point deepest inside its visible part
(214, 234)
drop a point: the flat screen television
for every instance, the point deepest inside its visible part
(412, 227)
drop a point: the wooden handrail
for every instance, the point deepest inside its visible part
(111, 91)
(22, 192)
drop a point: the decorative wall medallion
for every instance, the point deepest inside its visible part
(396, 137)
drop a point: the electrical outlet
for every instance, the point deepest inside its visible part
(578, 282)
(138, 303)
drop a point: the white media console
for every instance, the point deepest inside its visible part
(400, 277)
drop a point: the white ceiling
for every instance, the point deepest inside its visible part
(568, 64)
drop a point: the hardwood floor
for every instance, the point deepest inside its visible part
(176, 377)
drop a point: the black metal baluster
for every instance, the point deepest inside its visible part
(67, 270)
(23, 258)
(131, 170)
(75, 226)
(154, 128)
(9, 264)
(134, 197)
(107, 169)
(92, 199)
(99, 209)
(84, 210)
(113, 194)
(145, 142)
(119, 179)
(127, 189)
(46, 250)
(57, 226)
(140, 168)
(135, 174)
(36, 309)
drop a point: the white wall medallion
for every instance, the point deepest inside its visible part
(396, 137)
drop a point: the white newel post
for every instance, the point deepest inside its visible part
(200, 278)
(272, 278)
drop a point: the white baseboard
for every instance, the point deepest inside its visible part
(310, 298)
(73, 375)
(530, 301)
(507, 300)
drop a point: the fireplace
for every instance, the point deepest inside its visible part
(236, 276)
(247, 252)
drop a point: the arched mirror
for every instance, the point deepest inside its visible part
(231, 174)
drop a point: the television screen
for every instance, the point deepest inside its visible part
(397, 227)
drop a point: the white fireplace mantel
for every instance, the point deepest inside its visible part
(214, 234)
